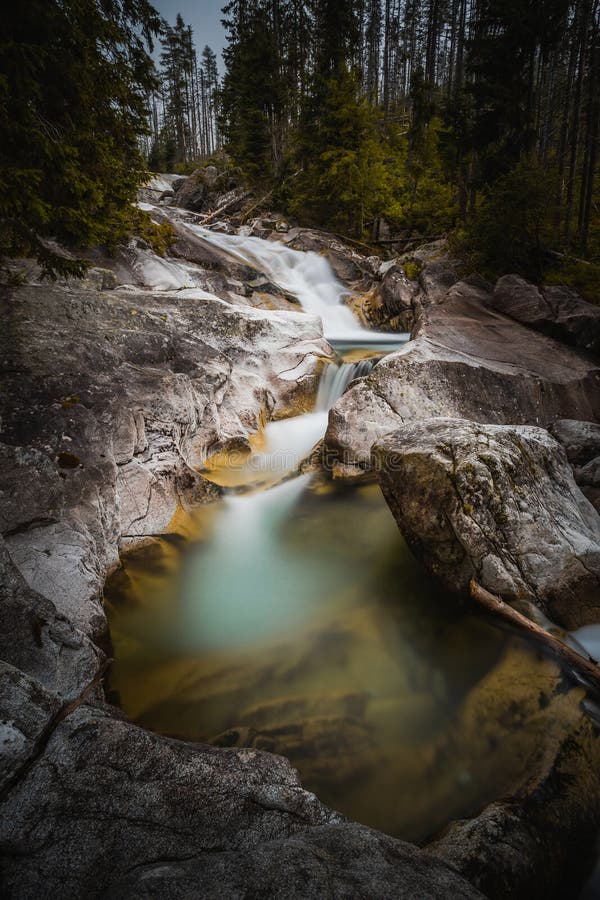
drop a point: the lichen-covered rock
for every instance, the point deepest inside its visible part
(467, 361)
(498, 504)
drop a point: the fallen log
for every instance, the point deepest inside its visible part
(244, 218)
(585, 666)
(222, 209)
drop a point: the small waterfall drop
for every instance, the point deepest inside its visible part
(310, 278)
(336, 378)
(244, 581)
(289, 441)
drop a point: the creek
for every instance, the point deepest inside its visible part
(291, 617)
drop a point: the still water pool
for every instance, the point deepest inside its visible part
(295, 620)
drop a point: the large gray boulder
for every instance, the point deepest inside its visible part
(555, 310)
(109, 810)
(497, 504)
(111, 401)
(467, 361)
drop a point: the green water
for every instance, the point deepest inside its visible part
(296, 621)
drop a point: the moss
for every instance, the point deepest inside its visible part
(412, 269)
(68, 402)
(581, 276)
(160, 236)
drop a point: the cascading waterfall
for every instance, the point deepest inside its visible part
(310, 278)
(289, 441)
(275, 627)
(335, 379)
(248, 584)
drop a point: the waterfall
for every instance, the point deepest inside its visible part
(289, 441)
(310, 278)
(244, 584)
(335, 379)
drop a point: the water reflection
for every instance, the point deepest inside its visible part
(298, 623)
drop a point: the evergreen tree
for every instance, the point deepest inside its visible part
(74, 78)
(344, 183)
(252, 95)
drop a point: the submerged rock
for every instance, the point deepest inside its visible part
(75, 778)
(497, 504)
(525, 846)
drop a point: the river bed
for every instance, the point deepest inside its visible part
(291, 617)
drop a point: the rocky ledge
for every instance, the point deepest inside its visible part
(499, 504)
(111, 399)
(112, 396)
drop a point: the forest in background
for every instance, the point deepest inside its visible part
(475, 117)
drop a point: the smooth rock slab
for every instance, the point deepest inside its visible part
(555, 310)
(466, 361)
(111, 400)
(110, 810)
(498, 504)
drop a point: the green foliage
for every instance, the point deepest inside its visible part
(514, 222)
(345, 179)
(412, 269)
(252, 94)
(160, 236)
(74, 77)
(424, 201)
(581, 276)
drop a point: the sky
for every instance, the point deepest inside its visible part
(203, 15)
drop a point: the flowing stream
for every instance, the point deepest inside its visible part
(294, 619)
(310, 278)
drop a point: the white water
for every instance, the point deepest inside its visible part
(242, 580)
(309, 277)
(242, 585)
(289, 441)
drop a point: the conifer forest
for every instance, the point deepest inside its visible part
(300, 450)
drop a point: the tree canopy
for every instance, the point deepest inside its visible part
(74, 81)
(421, 111)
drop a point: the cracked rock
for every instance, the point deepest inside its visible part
(498, 504)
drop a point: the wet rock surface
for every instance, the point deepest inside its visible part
(108, 411)
(498, 504)
(524, 846)
(111, 399)
(182, 818)
(466, 361)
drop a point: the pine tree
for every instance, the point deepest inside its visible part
(74, 78)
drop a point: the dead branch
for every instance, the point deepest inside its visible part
(225, 207)
(587, 667)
